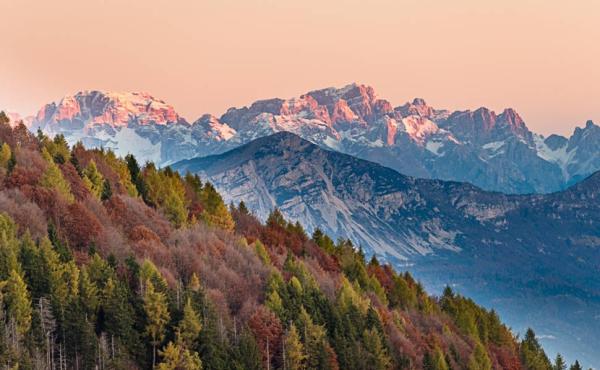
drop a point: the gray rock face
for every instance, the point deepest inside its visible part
(493, 151)
(534, 257)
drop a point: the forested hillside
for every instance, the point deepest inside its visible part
(107, 263)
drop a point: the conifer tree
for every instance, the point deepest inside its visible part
(53, 178)
(559, 363)
(176, 357)
(215, 211)
(247, 353)
(157, 316)
(106, 190)
(18, 303)
(93, 179)
(5, 154)
(189, 327)
(377, 354)
(294, 350)
(532, 354)
(576, 366)
(479, 359)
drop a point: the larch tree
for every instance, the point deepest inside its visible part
(189, 327)
(5, 154)
(93, 179)
(157, 316)
(479, 359)
(18, 304)
(294, 350)
(53, 178)
(176, 357)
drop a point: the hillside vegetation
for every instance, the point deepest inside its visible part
(107, 263)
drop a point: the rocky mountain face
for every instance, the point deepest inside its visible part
(493, 151)
(535, 257)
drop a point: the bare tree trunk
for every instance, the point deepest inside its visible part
(153, 356)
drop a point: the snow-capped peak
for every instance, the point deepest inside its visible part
(116, 109)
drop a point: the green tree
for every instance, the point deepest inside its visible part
(189, 327)
(93, 179)
(136, 177)
(559, 363)
(377, 353)
(53, 178)
(479, 359)
(5, 154)
(576, 366)
(532, 354)
(106, 190)
(435, 360)
(294, 350)
(18, 303)
(246, 355)
(157, 316)
(215, 211)
(176, 357)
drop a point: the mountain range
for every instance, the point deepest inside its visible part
(424, 188)
(493, 151)
(533, 257)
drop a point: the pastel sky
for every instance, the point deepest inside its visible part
(541, 57)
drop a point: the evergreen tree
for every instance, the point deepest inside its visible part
(93, 179)
(435, 360)
(176, 357)
(532, 354)
(189, 327)
(243, 209)
(53, 178)
(479, 359)
(18, 304)
(4, 120)
(5, 154)
(136, 177)
(106, 190)
(576, 366)
(246, 355)
(294, 350)
(157, 316)
(215, 211)
(377, 354)
(559, 363)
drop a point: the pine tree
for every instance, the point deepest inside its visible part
(93, 179)
(559, 363)
(435, 360)
(532, 354)
(377, 354)
(316, 346)
(53, 178)
(576, 366)
(157, 316)
(242, 208)
(106, 190)
(479, 359)
(4, 120)
(247, 353)
(5, 154)
(215, 211)
(294, 350)
(189, 327)
(18, 303)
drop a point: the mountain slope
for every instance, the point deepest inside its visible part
(493, 151)
(106, 264)
(447, 232)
